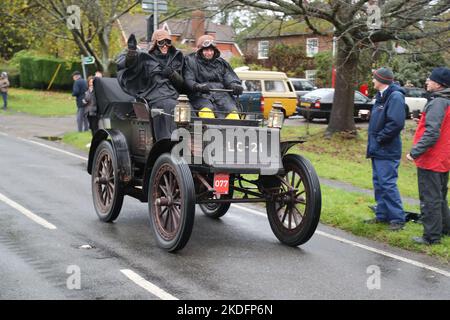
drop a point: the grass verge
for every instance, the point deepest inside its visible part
(41, 103)
(343, 159)
(79, 140)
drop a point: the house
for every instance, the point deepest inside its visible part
(183, 32)
(258, 43)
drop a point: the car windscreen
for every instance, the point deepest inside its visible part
(307, 85)
(323, 94)
(414, 92)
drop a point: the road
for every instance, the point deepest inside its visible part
(236, 257)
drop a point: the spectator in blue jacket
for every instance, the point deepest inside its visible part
(79, 89)
(385, 148)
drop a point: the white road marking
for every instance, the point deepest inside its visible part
(361, 246)
(324, 234)
(150, 287)
(55, 149)
(3, 134)
(27, 213)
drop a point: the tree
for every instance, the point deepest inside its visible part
(86, 22)
(356, 29)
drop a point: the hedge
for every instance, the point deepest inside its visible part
(37, 72)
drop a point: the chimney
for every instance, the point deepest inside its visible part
(198, 24)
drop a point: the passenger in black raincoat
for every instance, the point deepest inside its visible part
(155, 76)
(205, 70)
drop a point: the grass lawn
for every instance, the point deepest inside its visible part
(41, 103)
(347, 210)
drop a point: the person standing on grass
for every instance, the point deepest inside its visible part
(431, 154)
(90, 106)
(384, 148)
(79, 89)
(4, 85)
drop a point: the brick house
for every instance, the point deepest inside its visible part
(184, 32)
(257, 46)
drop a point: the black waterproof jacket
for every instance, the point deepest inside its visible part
(141, 75)
(217, 73)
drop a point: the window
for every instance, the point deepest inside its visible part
(274, 86)
(311, 75)
(312, 47)
(359, 97)
(252, 85)
(263, 49)
(303, 85)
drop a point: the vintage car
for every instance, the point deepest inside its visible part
(210, 162)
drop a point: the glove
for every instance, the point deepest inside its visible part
(167, 72)
(132, 43)
(237, 89)
(201, 87)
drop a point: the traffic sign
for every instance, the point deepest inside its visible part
(149, 5)
(88, 60)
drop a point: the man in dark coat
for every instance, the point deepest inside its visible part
(431, 154)
(205, 70)
(155, 76)
(384, 147)
(79, 89)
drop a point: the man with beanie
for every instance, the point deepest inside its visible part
(384, 148)
(205, 70)
(155, 76)
(431, 154)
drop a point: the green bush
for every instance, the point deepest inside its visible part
(36, 72)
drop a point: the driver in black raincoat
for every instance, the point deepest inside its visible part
(205, 70)
(155, 76)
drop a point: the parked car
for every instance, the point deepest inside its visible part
(318, 104)
(415, 99)
(302, 86)
(274, 87)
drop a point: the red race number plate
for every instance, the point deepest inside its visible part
(221, 183)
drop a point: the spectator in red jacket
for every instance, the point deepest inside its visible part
(431, 154)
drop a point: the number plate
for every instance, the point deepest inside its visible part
(221, 183)
(305, 104)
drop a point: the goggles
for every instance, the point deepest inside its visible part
(208, 43)
(164, 42)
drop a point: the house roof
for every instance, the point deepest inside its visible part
(137, 24)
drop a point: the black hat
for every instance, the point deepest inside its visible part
(384, 75)
(441, 75)
(76, 73)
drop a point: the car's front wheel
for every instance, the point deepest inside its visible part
(294, 211)
(171, 202)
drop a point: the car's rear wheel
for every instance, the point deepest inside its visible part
(171, 202)
(107, 190)
(294, 211)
